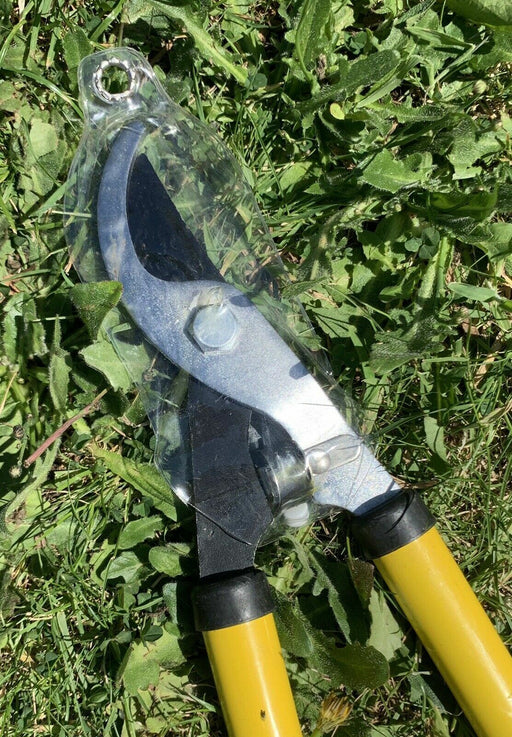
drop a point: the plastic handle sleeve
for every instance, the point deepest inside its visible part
(444, 611)
(251, 680)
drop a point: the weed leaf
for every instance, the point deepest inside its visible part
(93, 301)
(43, 138)
(59, 381)
(126, 566)
(386, 635)
(345, 604)
(490, 12)
(390, 174)
(168, 559)
(473, 292)
(355, 666)
(141, 666)
(58, 373)
(137, 531)
(309, 32)
(361, 666)
(144, 477)
(369, 70)
(102, 356)
(361, 573)
(75, 46)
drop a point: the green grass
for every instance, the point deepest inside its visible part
(376, 136)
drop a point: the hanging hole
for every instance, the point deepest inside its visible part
(114, 80)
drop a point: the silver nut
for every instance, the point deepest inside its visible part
(215, 328)
(296, 516)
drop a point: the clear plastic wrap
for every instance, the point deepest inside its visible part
(157, 202)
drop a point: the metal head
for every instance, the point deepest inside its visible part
(304, 451)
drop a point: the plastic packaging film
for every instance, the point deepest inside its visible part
(156, 201)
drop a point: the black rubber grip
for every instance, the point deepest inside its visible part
(391, 526)
(234, 599)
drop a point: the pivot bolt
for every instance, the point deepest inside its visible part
(215, 328)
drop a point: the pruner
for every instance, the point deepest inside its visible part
(260, 443)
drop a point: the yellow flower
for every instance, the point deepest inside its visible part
(334, 712)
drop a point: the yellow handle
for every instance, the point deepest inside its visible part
(442, 608)
(251, 680)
